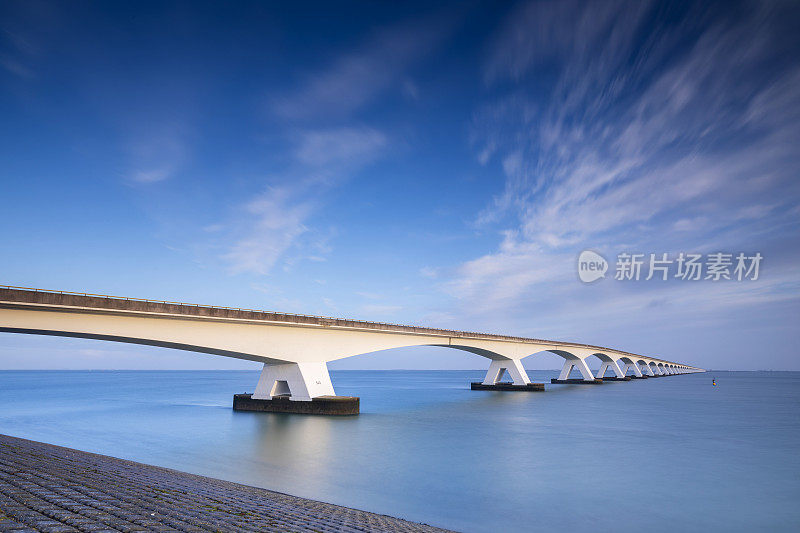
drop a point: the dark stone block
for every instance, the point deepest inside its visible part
(576, 381)
(508, 386)
(322, 405)
(614, 378)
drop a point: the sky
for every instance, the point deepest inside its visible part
(428, 163)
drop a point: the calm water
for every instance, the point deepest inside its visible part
(659, 455)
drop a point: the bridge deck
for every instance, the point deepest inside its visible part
(10, 295)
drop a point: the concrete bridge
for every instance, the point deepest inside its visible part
(295, 348)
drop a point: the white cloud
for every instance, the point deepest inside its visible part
(338, 146)
(157, 153)
(277, 226)
(151, 176)
(276, 218)
(355, 79)
(276, 223)
(429, 272)
(629, 142)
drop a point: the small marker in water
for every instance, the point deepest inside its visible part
(714, 382)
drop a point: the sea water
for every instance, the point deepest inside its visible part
(667, 454)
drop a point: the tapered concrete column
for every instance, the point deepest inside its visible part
(648, 370)
(632, 366)
(613, 366)
(582, 367)
(302, 380)
(500, 366)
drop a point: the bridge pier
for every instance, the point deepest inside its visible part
(498, 368)
(296, 388)
(619, 375)
(637, 372)
(582, 367)
(299, 381)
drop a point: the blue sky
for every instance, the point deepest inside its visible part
(440, 164)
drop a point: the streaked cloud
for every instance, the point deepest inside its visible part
(338, 146)
(157, 152)
(356, 78)
(612, 133)
(276, 218)
(324, 156)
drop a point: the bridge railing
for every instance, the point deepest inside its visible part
(242, 309)
(168, 302)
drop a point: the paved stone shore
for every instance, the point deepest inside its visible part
(53, 489)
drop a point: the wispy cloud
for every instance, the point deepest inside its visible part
(18, 47)
(325, 156)
(157, 153)
(338, 146)
(429, 272)
(276, 219)
(611, 130)
(358, 77)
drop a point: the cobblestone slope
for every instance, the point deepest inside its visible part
(53, 489)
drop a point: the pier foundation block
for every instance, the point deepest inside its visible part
(476, 385)
(615, 378)
(577, 381)
(321, 405)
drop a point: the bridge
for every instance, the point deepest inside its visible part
(295, 349)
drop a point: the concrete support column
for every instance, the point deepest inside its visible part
(613, 366)
(302, 381)
(582, 367)
(648, 370)
(499, 367)
(632, 366)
